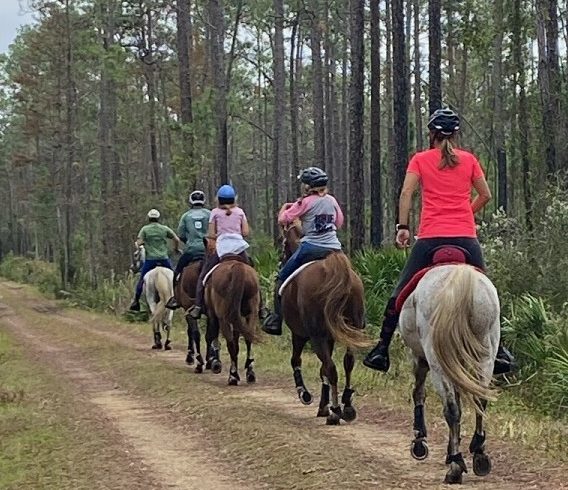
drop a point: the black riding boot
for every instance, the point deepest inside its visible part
(172, 303)
(378, 358)
(273, 324)
(504, 362)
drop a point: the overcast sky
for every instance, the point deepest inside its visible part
(12, 16)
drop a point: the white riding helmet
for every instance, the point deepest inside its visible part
(154, 214)
(197, 197)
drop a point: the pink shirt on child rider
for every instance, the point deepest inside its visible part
(228, 224)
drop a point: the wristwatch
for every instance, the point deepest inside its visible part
(402, 227)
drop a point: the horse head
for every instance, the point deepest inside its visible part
(210, 243)
(138, 258)
(291, 235)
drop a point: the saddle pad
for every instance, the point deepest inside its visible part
(294, 274)
(208, 275)
(411, 286)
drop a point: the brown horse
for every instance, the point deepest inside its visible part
(232, 299)
(325, 304)
(185, 295)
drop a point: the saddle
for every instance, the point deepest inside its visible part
(443, 255)
(229, 257)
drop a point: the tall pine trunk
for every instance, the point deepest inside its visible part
(435, 55)
(317, 84)
(357, 211)
(375, 143)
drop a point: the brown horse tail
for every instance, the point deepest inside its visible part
(235, 295)
(335, 292)
(458, 350)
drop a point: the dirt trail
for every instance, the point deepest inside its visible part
(381, 437)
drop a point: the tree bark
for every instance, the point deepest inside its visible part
(317, 81)
(434, 56)
(400, 94)
(217, 25)
(375, 143)
(498, 122)
(357, 212)
(295, 41)
(279, 140)
(417, 79)
(184, 43)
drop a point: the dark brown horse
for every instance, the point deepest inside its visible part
(232, 299)
(325, 304)
(185, 295)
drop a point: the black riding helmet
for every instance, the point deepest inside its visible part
(444, 121)
(313, 177)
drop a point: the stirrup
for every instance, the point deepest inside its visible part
(378, 359)
(195, 312)
(172, 304)
(273, 325)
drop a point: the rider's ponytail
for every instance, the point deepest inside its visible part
(449, 158)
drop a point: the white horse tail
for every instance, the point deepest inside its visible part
(165, 291)
(458, 349)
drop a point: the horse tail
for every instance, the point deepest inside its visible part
(458, 350)
(335, 291)
(235, 295)
(164, 288)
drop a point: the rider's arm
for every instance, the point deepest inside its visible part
(339, 218)
(182, 229)
(245, 228)
(483, 194)
(212, 230)
(409, 186)
(293, 212)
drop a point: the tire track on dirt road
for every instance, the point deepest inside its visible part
(387, 443)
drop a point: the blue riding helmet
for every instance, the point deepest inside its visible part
(226, 192)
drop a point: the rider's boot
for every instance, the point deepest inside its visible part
(157, 340)
(504, 362)
(273, 324)
(172, 303)
(135, 305)
(378, 358)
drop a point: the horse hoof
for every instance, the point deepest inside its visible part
(323, 412)
(208, 364)
(157, 346)
(251, 377)
(481, 464)
(216, 366)
(454, 476)
(233, 381)
(198, 369)
(306, 397)
(189, 360)
(333, 419)
(349, 414)
(419, 449)
(167, 345)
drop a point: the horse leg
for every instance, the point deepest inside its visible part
(419, 447)
(167, 329)
(298, 344)
(249, 364)
(189, 359)
(323, 409)
(481, 461)
(349, 412)
(233, 348)
(452, 414)
(324, 350)
(157, 336)
(212, 340)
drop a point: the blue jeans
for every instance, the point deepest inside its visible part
(148, 265)
(305, 253)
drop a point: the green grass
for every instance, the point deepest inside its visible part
(45, 442)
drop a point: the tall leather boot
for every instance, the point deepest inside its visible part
(273, 324)
(378, 358)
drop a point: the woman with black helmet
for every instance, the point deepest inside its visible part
(321, 216)
(446, 176)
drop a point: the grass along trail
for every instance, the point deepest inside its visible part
(194, 431)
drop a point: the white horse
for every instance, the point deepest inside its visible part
(158, 287)
(451, 324)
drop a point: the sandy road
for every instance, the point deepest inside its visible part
(279, 444)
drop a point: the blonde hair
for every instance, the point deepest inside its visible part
(449, 158)
(308, 191)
